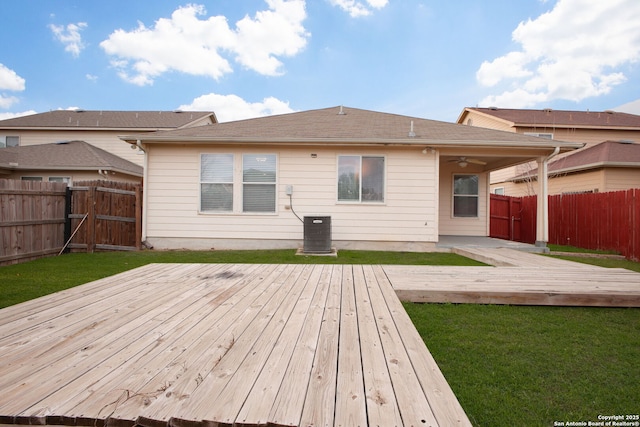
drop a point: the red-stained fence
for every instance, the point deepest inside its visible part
(602, 221)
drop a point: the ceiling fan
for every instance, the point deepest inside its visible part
(463, 161)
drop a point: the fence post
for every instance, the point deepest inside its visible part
(138, 217)
(91, 220)
(67, 217)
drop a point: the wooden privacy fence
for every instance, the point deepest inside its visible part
(32, 219)
(105, 216)
(602, 221)
(42, 218)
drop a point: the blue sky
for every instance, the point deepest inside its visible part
(248, 58)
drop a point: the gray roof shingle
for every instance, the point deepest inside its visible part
(72, 155)
(125, 120)
(562, 118)
(342, 125)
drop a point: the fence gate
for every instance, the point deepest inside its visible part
(506, 217)
(105, 216)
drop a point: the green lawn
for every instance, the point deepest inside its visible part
(508, 365)
(22, 282)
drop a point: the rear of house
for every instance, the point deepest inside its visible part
(386, 181)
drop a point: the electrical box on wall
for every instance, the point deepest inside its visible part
(289, 190)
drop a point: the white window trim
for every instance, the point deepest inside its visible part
(540, 134)
(360, 201)
(242, 183)
(453, 197)
(238, 185)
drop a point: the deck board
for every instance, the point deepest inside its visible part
(213, 345)
(202, 345)
(517, 278)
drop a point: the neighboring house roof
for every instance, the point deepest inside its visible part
(72, 155)
(121, 120)
(605, 154)
(348, 126)
(559, 118)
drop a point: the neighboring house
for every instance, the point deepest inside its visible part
(99, 128)
(66, 162)
(588, 127)
(608, 166)
(387, 181)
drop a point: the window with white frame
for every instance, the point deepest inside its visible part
(259, 183)
(216, 182)
(64, 179)
(465, 196)
(540, 135)
(230, 183)
(361, 179)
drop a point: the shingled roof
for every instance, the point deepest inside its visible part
(605, 154)
(124, 120)
(560, 118)
(72, 155)
(346, 126)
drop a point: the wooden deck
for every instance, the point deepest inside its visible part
(517, 278)
(209, 345)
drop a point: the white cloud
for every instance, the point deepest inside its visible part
(11, 81)
(91, 77)
(188, 44)
(70, 36)
(573, 52)
(232, 107)
(632, 107)
(358, 8)
(5, 116)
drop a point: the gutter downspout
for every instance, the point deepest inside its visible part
(542, 223)
(145, 192)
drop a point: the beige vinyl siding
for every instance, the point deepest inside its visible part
(462, 226)
(587, 136)
(621, 179)
(173, 198)
(106, 140)
(597, 180)
(483, 121)
(589, 181)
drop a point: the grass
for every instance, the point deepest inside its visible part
(601, 262)
(22, 282)
(535, 365)
(508, 365)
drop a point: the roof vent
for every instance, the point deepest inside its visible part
(547, 110)
(79, 110)
(609, 111)
(411, 132)
(493, 108)
(341, 112)
(626, 141)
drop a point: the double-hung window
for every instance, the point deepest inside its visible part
(361, 179)
(230, 183)
(259, 183)
(216, 182)
(465, 196)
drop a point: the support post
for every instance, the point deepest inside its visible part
(542, 217)
(542, 220)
